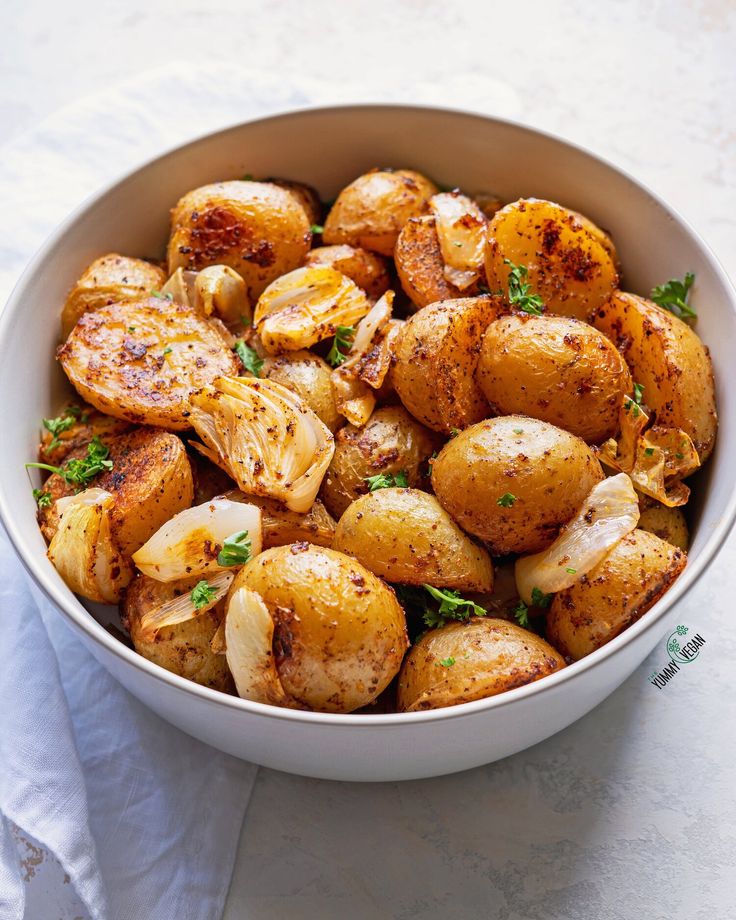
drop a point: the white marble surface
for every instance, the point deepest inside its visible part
(631, 812)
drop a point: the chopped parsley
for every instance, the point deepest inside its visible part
(539, 599)
(521, 614)
(159, 295)
(131, 328)
(673, 296)
(454, 432)
(506, 500)
(236, 549)
(648, 451)
(202, 594)
(59, 425)
(317, 228)
(638, 393)
(167, 351)
(80, 471)
(344, 336)
(519, 290)
(43, 498)
(249, 358)
(447, 662)
(571, 571)
(518, 431)
(248, 177)
(452, 607)
(398, 480)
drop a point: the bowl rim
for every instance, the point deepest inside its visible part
(69, 605)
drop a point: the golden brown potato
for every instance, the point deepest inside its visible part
(435, 360)
(461, 662)
(257, 228)
(367, 269)
(419, 263)
(614, 594)
(150, 480)
(280, 526)
(183, 648)
(371, 211)
(209, 480)
(569, 266)
(307, 197)
(405, 536)
(109, 279)
(668, 524)
(557, 369)
(669, 361)
(310, 377)
(87, 423)
(340, 634)
(514, 481)
(140, 360)
(392, 441)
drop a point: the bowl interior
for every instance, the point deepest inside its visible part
(327, 148)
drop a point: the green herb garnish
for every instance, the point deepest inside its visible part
(80, 471)
(571, 571)
(202, 594)
(673, 296)
(648, 451)
(398, 480)
(344, 336)
(519, 290)
(452, 607)
(521, 614)
(159, 295)
(59, 425)
(317, 228)
(43, 498)
(249, 358)
(167, 351)
(235, 550)
(638, 393)
(539, 599)
(506, 500)
(447, 662)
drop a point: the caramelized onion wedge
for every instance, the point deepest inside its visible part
(182, 608)
(265, 437)
(461, 230)
(188, 543)
(249, 648)
(610, 511)
(217, 289)
(83, 550)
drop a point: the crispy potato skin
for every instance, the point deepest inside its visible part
(668, 524)
(90, 424)
(109, 279)
(490, 656)
(391, 441)
(668, 359)
(548, 471)
(340, 634)
(557, 369)
(405, 536)
(257, 228)
(367, 269)
(419, 264)
(614, 594)
(151, 481)
(435, 361)
(307, 197)
(115, 360)
(184, 648)
(310, 377)
(280, 526)
(569, 266)
(371, 211)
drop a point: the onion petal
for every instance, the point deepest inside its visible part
(181, 609)
(217, 289)
(461, 230)
(610, 511)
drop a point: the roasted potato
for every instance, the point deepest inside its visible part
(419, 263)
(435, 360)
(371, 211)
(340, 634)
(141, 359)
(514, 481)
(183, 648)
(257, 228)
(670, 363)
(568, 265)
(150, 480)
(557, 369)
(86, 423)
(461, 662)
(405, 536)
(668, 524)
(310, 377)
(280, 526)
(367, 269)
(209, 480)
(109, 279)
(613, 594)
(307, 197)
(392, 441)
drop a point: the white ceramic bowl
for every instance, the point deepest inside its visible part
(327, 148)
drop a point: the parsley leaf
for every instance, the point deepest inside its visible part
(638, 393)
(571, 571)
(447, 662)
(506, 500)
(539, 599)
(249, 357)
(673, 296)
(80, 471)
(159, 295)
(167, 351)
(43, 498)
(202, 594)
(344, 336)
(521, 614)
(317, 228)
(59, 425)
(388, 481)
(236, 549)
(519, 295)
(454, 432)
(452, 607)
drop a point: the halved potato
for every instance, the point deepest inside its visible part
(371, 211)
(257, 228)
(419, 263)
(614, 594)
(310, 377)
(405, 536)
(150, 481)
(669, 361)
(88, 424)
(141, 359)
(436, 357)
(109, 279)
(367, 269)
(183, 648)
(461, 662)
(669, 524)
(568, 265)
(281, 526)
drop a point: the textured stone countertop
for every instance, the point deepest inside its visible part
(629, 813)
